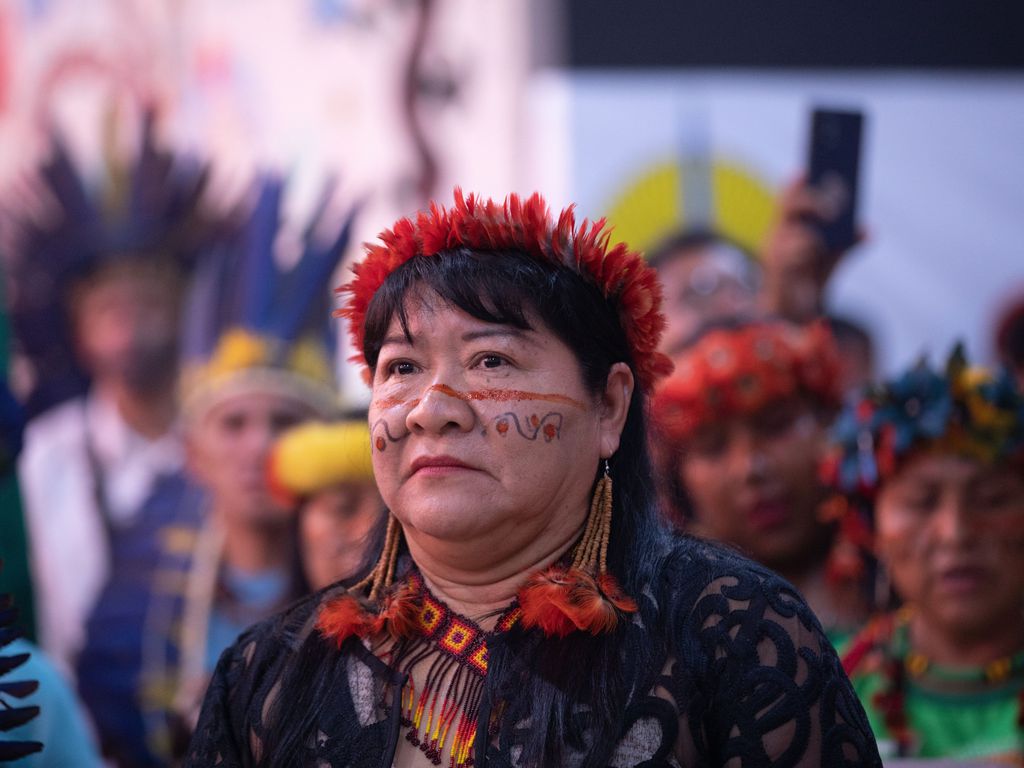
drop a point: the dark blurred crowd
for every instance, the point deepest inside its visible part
(178, 466)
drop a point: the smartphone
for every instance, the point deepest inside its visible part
(833, 168)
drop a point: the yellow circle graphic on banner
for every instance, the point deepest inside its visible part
(651, 207)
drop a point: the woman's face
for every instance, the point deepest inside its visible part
(126, 326)
(753, 483)
(334, 529)
(484, 435)
(228, 448)
(950, 532)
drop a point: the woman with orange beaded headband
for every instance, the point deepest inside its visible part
(523, 612)
(742, 424)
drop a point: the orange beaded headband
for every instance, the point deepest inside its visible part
(526, 226)
(738, 371)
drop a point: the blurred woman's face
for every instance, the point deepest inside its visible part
(753, 484)
(228, 448)
(126, 326)
(482, 432)
(334, 529)
(950, 532)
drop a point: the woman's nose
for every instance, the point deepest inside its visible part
(747, 458)
(950, 521)
(441, 409)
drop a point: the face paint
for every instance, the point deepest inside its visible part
(550, 426)
(382, 435)
(493, 395)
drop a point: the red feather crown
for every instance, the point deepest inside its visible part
(622, 275)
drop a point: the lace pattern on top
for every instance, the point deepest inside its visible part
(744, 677)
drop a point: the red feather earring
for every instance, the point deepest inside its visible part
(350, 614)
(584, 596)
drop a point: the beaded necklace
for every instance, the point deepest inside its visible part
(901, 664)
(449, 651)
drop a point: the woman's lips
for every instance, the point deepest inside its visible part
(963, 579)
(439, 466)
(767, 515)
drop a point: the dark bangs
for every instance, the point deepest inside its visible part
(507, 287)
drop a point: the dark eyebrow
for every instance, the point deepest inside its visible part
(484, 333)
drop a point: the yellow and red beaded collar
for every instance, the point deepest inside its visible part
(473, 222)
(738, 371)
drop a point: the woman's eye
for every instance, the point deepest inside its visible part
(492, 361)
(711, 444)
(401, 368)
(995, 499)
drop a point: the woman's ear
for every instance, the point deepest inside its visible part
(615, 400)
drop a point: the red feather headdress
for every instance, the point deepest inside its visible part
(622, 275)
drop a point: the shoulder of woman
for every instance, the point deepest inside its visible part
(704, 585)
(693, 566)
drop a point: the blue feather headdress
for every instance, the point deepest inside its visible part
(963, 410)
(251, 325)
(149, 211)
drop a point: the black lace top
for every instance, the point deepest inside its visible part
(725, 665)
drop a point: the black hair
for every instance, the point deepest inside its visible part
(548, 680)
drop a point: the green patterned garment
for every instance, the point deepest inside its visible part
(954, 713)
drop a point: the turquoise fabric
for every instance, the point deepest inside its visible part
(60, 725)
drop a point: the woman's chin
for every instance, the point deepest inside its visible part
(452, 520)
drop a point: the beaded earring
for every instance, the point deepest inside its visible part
(583, 596)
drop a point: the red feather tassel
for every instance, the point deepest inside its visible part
(400, 611)
(544, 600)
(344, 617)
(560, 601)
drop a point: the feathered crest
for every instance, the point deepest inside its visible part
(963, 410)
(246, 313)
(473, 222)
(59, 227)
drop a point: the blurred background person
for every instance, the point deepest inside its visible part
(95, 271)
(932, 467)
(705, 278)
(325, 472)
(258, 348)
(742, 423)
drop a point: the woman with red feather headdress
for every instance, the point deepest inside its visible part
(523, 611)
